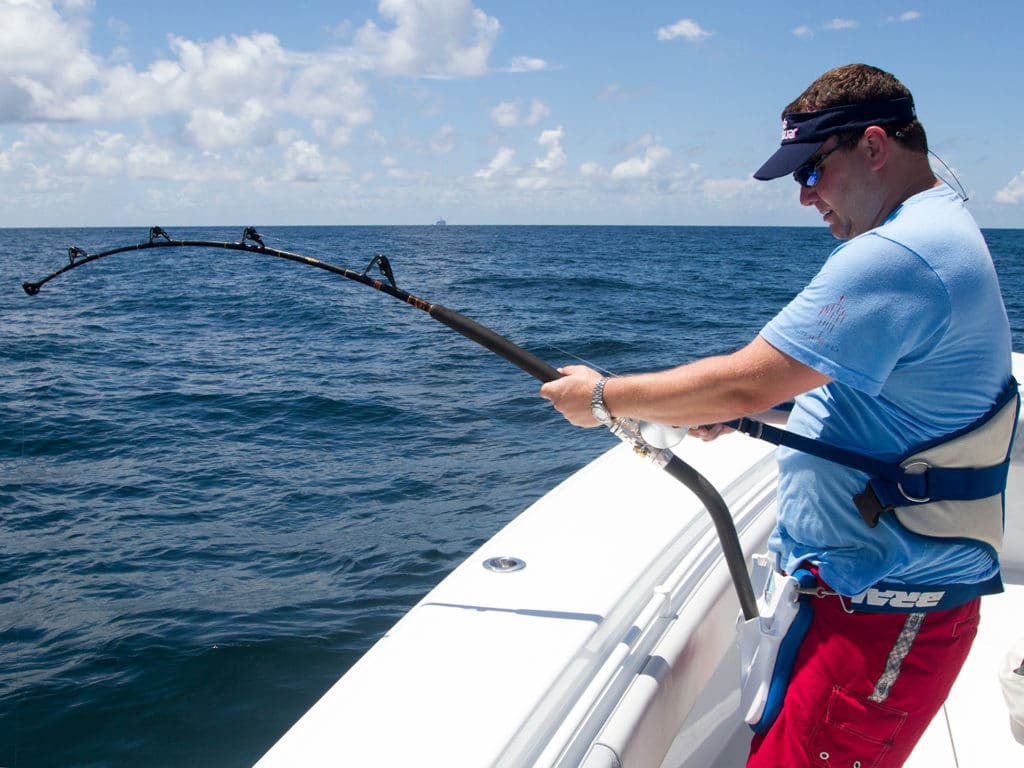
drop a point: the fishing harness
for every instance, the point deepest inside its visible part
(951, 487)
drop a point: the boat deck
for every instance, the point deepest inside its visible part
(973, 727)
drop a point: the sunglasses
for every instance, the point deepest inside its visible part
(809, 174)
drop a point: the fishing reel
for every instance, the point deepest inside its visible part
(662, 435)
(649, 440)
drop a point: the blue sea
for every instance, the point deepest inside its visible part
(223, 476)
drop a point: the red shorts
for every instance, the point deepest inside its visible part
(865, 686)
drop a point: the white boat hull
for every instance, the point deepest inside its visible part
(614, 644)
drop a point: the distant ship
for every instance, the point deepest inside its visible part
(440, 223)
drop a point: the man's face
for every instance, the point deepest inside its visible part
(840, 192)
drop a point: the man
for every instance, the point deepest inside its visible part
(901, 340)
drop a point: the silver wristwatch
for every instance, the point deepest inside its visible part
(597, 405)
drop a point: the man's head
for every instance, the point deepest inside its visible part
(842, 103)
(853, 142)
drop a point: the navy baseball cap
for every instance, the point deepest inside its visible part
(803, 133)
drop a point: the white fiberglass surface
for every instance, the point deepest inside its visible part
(488, 665)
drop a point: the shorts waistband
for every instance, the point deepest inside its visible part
(887, 597)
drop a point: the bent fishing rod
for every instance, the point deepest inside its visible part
(628, 430)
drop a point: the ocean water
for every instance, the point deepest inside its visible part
(224, 476)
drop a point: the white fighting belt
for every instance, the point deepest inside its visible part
(769, 642)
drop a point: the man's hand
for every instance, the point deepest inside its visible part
(572, 393)
(709, 432)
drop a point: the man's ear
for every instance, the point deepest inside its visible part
(877, 145)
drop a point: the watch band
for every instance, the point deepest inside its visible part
(597, 405)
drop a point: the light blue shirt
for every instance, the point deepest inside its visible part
(908, 319)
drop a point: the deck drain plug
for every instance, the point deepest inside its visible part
(504, 564)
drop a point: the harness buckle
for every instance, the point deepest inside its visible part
(869, 506)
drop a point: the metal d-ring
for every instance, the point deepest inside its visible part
(916, 463)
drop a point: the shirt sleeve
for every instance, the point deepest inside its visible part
(873, 305)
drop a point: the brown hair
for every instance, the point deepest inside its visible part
(858, 84)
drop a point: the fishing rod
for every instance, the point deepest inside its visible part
(251, 242)
(628, 430)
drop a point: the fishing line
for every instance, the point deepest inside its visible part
(380, 276)
(960, 187)
(586, 362)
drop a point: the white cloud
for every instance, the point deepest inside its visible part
(43, 58)
(326, 86)
(106, 154)
(102, 156)
(227, 91)
(213, 129)
(119, 29)
(538, 111)
(339, 136)
(47, 72)
(303, 162)
(231, 107)
(149, 160)
(443, 141)
(501, 163)
(611, 91)
(555, 158)
(508, 115)
(688, 29)
(226, 71)
(532, 183)
(535, 176)
(1013, 192)
(430, 38)
(643, 166)
(904, 17)
(730, 190)
(837, 25)
(394, 169)
(527, 64)
(221, 74)
(805, 31)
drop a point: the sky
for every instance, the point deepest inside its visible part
(266, 113)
